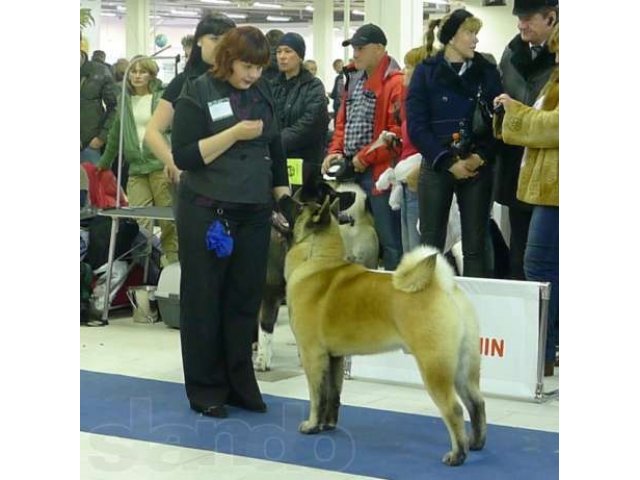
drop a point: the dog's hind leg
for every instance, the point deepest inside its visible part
(316, 367)
(468, 388)
(331, 402)
(438, 377)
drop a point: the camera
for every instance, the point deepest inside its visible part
(461, 142)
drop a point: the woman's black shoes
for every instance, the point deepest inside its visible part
(259, 407)
(256, 405)
(217, 411)
(220, 411)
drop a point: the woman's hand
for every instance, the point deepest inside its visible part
(460, 171)
(248, 129)
(358, 166)
(473, 162)
(502, 99)
(173, 173)
(96, 143)
(328, 160)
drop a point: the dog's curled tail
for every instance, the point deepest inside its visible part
(421, 267)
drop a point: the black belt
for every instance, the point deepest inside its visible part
(203, 201)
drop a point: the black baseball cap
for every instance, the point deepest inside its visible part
(525, 7)
(366, 34)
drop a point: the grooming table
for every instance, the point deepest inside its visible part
(154, 213)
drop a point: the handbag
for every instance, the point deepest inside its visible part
(482, 119)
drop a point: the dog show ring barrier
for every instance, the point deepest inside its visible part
(512, 316)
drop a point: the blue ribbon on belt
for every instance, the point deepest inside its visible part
(219, 239)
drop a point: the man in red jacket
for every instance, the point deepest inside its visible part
(371, 104)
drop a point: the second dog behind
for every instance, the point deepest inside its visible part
(361, 246)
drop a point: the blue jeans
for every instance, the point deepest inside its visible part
(409, 217)
(386, 222)
(90, 155)
(541, 265)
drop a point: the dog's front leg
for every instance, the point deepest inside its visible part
(316, 366)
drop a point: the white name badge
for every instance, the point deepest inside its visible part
(219, 109)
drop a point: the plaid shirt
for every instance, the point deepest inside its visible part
(361, 107)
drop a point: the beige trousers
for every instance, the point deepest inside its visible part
(154, 189)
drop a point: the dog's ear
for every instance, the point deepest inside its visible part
(346, 200)
(336, 207)
(325, 190)
(323, 216)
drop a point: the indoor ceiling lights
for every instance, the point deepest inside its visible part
(273, 18)
(185, 13)
(266, 5)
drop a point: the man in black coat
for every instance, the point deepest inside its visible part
(526, 65)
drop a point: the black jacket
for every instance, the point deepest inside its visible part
(98, 102)
(337, 91)
(523, 79)
(303, 116)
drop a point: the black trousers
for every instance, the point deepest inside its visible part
(435, 191)
(219, 301)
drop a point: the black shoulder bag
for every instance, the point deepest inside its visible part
(482, 119)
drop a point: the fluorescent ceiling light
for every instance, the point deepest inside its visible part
(185, 12)
(218, 2)
(266, 5)
(309, 8)
(438, 2)
(272, 18)
(357, 12)
(120, 8)
(238, 16)
(107, 14)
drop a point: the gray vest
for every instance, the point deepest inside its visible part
(243, 173)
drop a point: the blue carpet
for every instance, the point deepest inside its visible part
(369, 442)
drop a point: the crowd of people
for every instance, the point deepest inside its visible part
(451, 123)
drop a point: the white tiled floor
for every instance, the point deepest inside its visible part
(153, 351)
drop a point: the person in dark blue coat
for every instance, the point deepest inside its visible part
(447, 91)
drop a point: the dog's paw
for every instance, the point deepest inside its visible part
(476, 444)
(308, 427)
(327, 427)
(260, 363)
(454, 459)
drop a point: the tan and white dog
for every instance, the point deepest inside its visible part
(338, 308)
